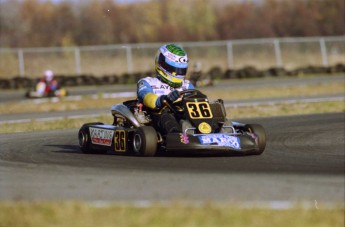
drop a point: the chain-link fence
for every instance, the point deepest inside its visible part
(289, 53)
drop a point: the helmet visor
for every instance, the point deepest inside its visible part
(170, 68)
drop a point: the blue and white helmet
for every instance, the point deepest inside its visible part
(172, 64)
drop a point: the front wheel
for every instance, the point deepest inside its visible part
(259, 131)
(145, 141)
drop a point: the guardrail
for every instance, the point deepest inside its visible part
(288, 53)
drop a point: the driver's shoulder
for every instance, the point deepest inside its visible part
(186, 81)
(187, 85)
(149, 80)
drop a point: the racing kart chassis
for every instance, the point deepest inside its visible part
(205, 130)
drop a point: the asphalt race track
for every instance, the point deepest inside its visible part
(303, 162)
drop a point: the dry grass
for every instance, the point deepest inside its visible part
(175, 214)
(88, 102)
(238, 112)
(285, 109)
(66, 123)
(285, 91)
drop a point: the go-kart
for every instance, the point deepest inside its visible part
(205, 130)
(39, 92)
(199, 79)
(62, 92)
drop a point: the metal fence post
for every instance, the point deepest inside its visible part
(77, 60)
(129, 59)
(230, 54)
(323, 52)
(21, 63)
(278, 53)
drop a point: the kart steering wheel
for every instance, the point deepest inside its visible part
(188, 92)
(184, 93)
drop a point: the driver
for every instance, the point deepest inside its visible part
(47, 85)
(171, 69)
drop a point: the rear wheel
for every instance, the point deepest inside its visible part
(85, 140)
(259, 131)
(145, 141)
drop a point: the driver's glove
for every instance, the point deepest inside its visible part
(171, 97)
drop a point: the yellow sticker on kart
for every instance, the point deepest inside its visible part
(204, 128)
(120, 140)
(199, 110)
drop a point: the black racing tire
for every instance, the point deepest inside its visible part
(145, 141)
(85, 140)
(259, 131)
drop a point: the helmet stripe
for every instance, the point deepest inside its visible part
(177, 64)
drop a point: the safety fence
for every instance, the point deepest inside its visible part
(288, 53)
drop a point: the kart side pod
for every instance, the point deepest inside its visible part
(123, 111)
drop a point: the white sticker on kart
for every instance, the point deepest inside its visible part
(220, 140)
(101, 136)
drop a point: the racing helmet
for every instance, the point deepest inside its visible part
(171, 64)
(48, 75)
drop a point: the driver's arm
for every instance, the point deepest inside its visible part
(146, 96)
(149, 99)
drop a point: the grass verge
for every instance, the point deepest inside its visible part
(91, 102)
(175, 214)
(238, 112)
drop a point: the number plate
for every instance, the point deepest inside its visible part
(199, 110)
(120, 141)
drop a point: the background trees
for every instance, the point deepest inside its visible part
(36, 23)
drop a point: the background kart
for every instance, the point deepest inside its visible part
(205, 130)
(57, 93)
(39, 91)
(198, 79)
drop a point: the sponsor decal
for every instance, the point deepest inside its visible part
(204, 127)
(183, 59)
(167, 87)
(220, 140)
(141, 84)
(101, 136)
(184, 138)
(171, 56)
(142, 88)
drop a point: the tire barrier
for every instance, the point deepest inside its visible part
(214, 73)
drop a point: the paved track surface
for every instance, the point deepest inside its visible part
(303, 162)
